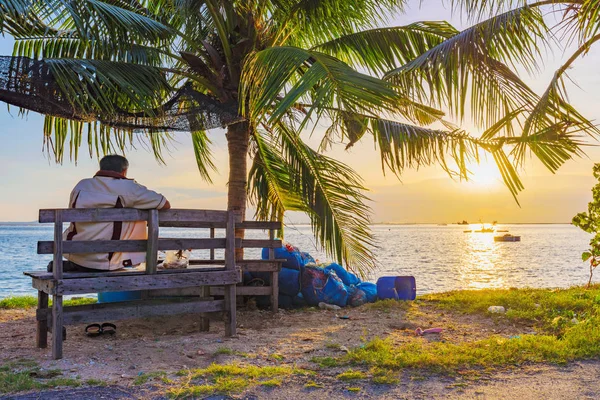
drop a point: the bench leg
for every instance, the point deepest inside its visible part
(57, 327)
(230, 311)
(274, 291)
(41, 338)
(204, 320)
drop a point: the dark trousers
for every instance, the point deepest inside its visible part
(69, 266)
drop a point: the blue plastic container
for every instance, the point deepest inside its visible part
(113, 297)
(289, 282)
(397, 287)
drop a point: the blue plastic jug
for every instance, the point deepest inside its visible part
(113, 297)
(397, 287)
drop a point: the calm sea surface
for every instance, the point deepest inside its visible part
(440, 257)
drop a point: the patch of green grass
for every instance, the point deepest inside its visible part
(351, 375)
(326, 362)
(151, 376)
(271, 383)
(384, 376)
(538, 307)
(14, 302)
(579, 342)
(79, 301)
(229, 352)
(388, 305)
(24, 375)
(96, 382)
(333, 346)
(313, 385)
(24, 302)
(230, 378)
(276, 356)
(223, 351)
(354, 389)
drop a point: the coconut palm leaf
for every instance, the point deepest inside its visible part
(384, 49)
(106, 86)
(468, 67)
(308, 22)
(204, 158)
(73, 47)
(328, 191)
(278, 79)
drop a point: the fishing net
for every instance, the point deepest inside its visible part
(29, 84)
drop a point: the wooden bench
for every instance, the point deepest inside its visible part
(271, 266)
(57, 284)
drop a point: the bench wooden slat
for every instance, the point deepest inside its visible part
(131, 214)
(143, 282)
(133, 309)
(94, 215)
(105, 246)
(258, 225)
(43, 275)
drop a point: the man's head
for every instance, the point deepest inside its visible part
(114, 163)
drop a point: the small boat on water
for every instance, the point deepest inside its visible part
(485, 230)
(502, 230)
(507, 238)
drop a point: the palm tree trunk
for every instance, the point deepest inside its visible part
(238, 136)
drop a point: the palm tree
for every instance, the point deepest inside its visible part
(268, 69)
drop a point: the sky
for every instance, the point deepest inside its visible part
(30, 180)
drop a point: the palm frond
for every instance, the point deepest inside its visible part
(74, 47)
(276, 79)
(468, 67)
(204, 158)
(307, 22)
(328, 191)
(107, 87)
(384, 49)
(552, 112)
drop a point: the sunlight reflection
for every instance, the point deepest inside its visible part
(479, 260)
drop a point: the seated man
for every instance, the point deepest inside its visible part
(109, 188)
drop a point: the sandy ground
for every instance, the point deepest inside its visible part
(288, 337)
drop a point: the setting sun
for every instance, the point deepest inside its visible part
(485, 173)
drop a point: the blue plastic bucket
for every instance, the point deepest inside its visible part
(113, 297)
(397, 287)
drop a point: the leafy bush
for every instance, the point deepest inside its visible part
(590, 223)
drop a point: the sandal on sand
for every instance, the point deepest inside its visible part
(93, 330)
(109, 328)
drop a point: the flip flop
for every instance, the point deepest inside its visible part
(93, 330)
(109, 328)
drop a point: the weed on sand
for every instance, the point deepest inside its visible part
(24, 375)
(230, 378)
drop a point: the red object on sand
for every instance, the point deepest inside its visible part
(421, 332)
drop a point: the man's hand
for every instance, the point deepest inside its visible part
(166, 206)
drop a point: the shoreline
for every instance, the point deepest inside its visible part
(314, 353)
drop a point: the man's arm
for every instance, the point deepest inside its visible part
(166, 206)
(146, 199)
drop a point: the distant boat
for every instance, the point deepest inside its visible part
(462, 223)
(507, 238)
(467, 231)
(485, 230)
(502, 230)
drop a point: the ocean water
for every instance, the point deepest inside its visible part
(441, 258)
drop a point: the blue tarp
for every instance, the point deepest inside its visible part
(302, 282)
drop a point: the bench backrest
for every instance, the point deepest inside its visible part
(211, 219)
